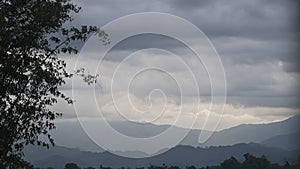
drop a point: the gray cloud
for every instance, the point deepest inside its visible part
(257, 42)
(254, 19)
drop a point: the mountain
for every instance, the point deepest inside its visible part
(257, 133)
(182, 156)
(244, 133)
(286, 141)
(77, 138)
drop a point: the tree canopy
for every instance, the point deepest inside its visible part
(71, 166)
(32, 35)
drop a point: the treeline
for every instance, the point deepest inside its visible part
(250, 162)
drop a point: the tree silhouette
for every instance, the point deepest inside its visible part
(231, 163)
(287, 166)
(252, 162)
(32, 34)
(101, 167)
(71, 166)
(90, 168)
(173, 167)
(297, 163)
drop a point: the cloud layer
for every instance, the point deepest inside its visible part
(257, 42)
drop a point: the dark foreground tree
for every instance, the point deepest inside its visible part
(90, 168)
(252, 162)
(231, 163)
(71, 166)
(31, 37)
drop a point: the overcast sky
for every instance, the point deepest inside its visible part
(257, 43)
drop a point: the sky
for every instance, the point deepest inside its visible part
(256, 42)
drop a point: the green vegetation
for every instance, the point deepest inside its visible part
(250, 162)
(32, 35)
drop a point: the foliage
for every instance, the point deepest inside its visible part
(102, 167)
(255, 162)
(71, 166)
(188, 167)
(32, 34)
(231, 163)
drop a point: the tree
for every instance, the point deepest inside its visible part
(231, 163)
(252, 162)
(71, 166)
(101, 167)
(287, 165)
(173, 167)
(90, 168)
(190, 167)
(32, 34)
(296, 164)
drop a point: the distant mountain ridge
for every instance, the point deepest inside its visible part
(285, 141)
(182, 156)
(245, 133)
(257, 133)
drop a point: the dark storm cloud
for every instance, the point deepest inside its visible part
(253, 19)
(292, 67)
(257, 40)
(192, 4)
(146, 41)
(262, 21)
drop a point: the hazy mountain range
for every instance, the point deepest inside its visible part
(278, 141)
(70, 134)
(182, 156)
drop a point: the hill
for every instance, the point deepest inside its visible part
(244, 133)
(57, 157)
(286, 141)
(257, 133)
